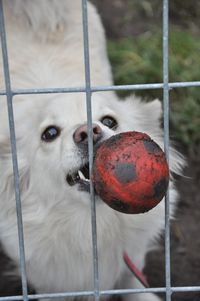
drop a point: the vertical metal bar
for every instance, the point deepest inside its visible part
(166, 141)
(90, 145)
(14, 152)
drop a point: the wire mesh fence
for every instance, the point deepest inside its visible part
(88, 90)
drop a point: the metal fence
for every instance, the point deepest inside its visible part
(88, 89)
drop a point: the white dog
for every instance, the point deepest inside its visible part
(45, 46)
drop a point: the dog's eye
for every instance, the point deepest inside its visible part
(110, 122)
(50, 133)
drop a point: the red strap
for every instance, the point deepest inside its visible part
(138, 274)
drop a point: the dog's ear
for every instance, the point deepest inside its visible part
(153, 109)
(149, 110)
(142, 116)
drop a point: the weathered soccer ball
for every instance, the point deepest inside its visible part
(130, 172)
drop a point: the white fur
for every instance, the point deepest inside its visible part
(46, 50)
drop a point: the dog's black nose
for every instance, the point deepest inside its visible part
(80, 135)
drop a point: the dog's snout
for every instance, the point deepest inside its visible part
(80, 135)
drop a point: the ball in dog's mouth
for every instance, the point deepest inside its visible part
(81, 177)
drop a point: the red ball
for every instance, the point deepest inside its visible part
(130, 172)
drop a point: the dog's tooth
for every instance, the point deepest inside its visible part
(81, 175)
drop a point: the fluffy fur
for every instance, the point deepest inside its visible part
(46, 50)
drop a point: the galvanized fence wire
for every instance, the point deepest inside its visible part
(90, 145)
(14, 154)
(166, 141)
(88, 90)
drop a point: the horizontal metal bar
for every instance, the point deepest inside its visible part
(184, 84)
(51, 296)
(184, 289)
(180, 289)
(175, 289)
(102, 88)
(145, 86)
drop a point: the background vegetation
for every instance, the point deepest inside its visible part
(135, 51)
(139, 60)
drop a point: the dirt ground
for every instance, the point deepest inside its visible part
(185, 241)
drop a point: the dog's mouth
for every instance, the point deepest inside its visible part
(81, 177)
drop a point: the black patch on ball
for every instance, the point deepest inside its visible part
(120, 206)
(160, 189)
(112, 141)
(151, 147)
(125, 172)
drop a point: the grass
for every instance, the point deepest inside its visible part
(139, 60)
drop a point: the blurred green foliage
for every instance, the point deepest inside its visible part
(139, 60)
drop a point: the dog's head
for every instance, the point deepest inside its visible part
(52, 141)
